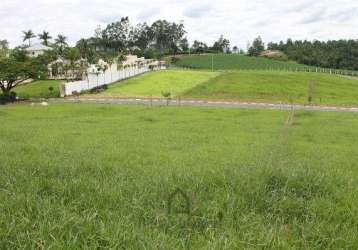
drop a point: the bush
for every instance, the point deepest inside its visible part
(174, 59)
(7, 97)
(99, 89)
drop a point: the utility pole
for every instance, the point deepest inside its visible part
(212, 62)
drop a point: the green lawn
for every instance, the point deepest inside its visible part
(101, 176)
(267, 86)
(236, 62)
(39, 89)
(154, 83)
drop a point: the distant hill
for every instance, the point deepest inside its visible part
(233, 62)
(243, 62)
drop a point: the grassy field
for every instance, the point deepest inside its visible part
(258, 86)
(101, 176)
(39, 89)
(154, 83)
(235, 62)
(266, 86)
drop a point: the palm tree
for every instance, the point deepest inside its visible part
(61, 42)
(83, 46)
(28, 35)
(45, 37)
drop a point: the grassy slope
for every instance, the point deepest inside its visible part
(39, 89)
(267, 86)
(234, 62)
(154, 83)
(100, 176)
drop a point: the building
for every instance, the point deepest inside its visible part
(37, 49)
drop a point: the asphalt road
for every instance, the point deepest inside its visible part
(206, 103)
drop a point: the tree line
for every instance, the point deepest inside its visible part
(148, 40)
(340, 54)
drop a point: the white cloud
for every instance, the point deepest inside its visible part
(205, 20)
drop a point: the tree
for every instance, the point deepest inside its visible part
(341, 54)
(45, 37)
(13, 72)
(199, 47)
(83, 47)
(28, 35)
(4, 48)
(72, 54)
(184, 45)
(19, 55)
(141, 36)
(116, 35)
(235, 49)
(257, 47)
(167, 36)
(61, 42)
(222, 45)
(4, 44)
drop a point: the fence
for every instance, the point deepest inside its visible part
(341, 72)
(113, 74)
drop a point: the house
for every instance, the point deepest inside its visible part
(38, 49)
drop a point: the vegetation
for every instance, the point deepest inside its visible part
(153, 84)
(102, 176)
(4, 44)
(257, 86)
(28, 35)
(158, 39)
(39, 89)
(257, 47)
(287, 87)
(45, 37)
(13, 73)
(234, 62)
(341, 54)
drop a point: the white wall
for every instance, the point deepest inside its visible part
(110, 76)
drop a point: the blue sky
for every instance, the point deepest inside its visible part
(240, 21)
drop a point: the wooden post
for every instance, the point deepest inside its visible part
(212, 62)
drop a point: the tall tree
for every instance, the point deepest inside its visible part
(341, 54)
(235, 49)
(184, 45)
(4, 44)
(141, 36)
(257, 47)
(28, 35)
(45, 37)
(167, 36)
(222, 45)
(84, 48)
(116, 35)
(199, 47)
(61, 42)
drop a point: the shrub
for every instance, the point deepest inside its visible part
(7, 97)
(174, 59)
(167, 95)
(99, 89)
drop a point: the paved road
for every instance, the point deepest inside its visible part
(225, 104)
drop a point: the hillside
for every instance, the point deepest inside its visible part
(242, 62)
(274, 86)
(233, 62)
(241, 85)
